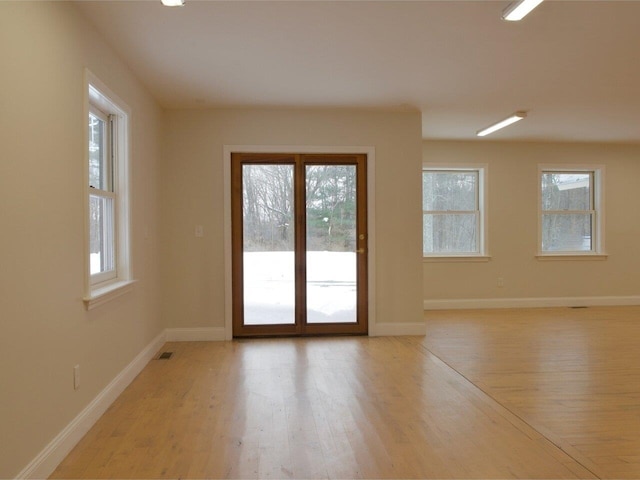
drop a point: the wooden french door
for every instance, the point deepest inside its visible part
(299, 244)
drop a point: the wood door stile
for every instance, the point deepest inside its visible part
(362, 273)
(237, 242)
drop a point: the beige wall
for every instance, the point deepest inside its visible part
(193, 273)
(513, 224)
(44, 48)
(178, 182)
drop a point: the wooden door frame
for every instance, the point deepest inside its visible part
(369, 151)
(299, 162)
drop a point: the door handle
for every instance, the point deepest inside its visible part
(360, 250)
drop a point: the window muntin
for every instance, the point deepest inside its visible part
(568, 212)
(451, 211)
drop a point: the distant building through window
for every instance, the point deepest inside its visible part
(570, 211)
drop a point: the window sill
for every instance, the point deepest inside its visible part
(571, 256)
(102, 295)
(456, 259)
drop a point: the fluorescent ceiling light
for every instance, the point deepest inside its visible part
(516, 117)
(172, 3)
(518, 10)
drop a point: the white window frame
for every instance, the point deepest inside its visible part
(482, 238)
(597, 173)
(104, 286)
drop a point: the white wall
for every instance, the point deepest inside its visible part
(44, 48)
(513, 224)
(193, 272)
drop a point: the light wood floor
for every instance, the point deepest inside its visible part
(572, 374)
(505, 394)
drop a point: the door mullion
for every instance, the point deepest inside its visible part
(300, 245)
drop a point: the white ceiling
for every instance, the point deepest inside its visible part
(574, 65)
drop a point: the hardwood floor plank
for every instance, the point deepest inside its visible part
(349, 407)
(573, 375)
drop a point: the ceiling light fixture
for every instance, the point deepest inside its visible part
(518, 10)
(516, 117)
(172, 3)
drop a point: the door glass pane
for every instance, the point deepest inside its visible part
(268, 244)
(331, 243)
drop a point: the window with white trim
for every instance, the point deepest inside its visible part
(453, 218)
(108, 192)
(571, 217)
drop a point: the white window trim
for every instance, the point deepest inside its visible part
(98, 95)
(483, 185)
(598, 252)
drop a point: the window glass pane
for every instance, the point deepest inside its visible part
(566, 191)
(99, 164)
(101, 234)
(447, 191)
(567, 232)
(445, 233)
(96, 151)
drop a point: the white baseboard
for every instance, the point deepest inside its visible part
(480, 303)
(203, 334)
(50, 457)
(399, 329)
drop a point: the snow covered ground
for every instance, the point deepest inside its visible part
(94, 262)
(269, 295)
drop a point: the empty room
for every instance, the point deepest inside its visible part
(319, 239)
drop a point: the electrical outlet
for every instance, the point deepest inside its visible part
(199, 231)
(76, 377)
(500, 282)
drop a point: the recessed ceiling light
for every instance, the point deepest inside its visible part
(172, 3)
(516, 117)
(518, 10)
